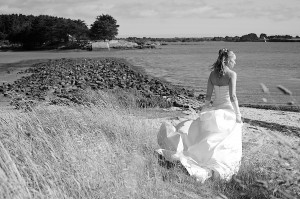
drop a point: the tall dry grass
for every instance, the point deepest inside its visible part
(107, 151)
(103, 151)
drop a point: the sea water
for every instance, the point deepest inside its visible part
(188, 64)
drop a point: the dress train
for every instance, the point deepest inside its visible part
(211, 143)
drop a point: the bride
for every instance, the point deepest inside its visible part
(210, 145)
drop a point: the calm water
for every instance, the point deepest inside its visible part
(189, 65)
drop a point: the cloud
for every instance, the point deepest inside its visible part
(274, 10)
(158, 9)
(224, 15)
(74, 9)
(5, 9)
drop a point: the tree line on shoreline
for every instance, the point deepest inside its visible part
(44, 31)
(251, 37)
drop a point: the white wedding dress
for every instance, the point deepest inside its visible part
(212, 143)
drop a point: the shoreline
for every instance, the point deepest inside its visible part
(66, 78)
(290, 108)
(13, 71)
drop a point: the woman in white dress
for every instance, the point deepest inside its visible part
(210, 145)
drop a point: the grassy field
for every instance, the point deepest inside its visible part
(107, 151)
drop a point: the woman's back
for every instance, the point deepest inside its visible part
(220, 81)
(221, 96)
(221, 88)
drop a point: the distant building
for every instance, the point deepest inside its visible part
(113, 44)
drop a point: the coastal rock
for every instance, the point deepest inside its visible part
(62, 75)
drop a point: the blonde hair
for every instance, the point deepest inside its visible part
(219, 65)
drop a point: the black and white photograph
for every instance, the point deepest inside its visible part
(160, 99)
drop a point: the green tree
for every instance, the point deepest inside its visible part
(105, 27)
(249, 37)
(40, 31)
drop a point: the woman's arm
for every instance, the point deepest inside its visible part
(232, 87)
(209, 90)
(233, 98)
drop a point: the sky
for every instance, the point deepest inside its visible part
(174, 18)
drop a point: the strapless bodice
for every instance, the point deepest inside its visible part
(221, 95)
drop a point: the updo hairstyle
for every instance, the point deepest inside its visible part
(219, 65)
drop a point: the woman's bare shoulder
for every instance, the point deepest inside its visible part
(211, 75)
(231, 73)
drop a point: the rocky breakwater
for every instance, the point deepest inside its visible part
(63, 78)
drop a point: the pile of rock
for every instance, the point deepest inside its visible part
(64, 77)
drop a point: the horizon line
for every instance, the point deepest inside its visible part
(194, 36)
